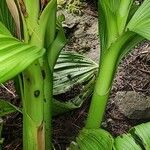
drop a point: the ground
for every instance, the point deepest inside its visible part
(133, 74)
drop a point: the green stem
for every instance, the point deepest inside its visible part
(33, 101)
(103, 85)
(48, 95)
(33, 127)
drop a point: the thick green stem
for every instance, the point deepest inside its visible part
(33, 102)
(103, 85)
(33, 126)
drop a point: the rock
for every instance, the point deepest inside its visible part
(84, 33)
(133, 105)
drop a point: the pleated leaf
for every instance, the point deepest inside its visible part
(126, 142)
(138, 138)
(60, 105)
(93, 139)
(72, 68)
(140, 22)
(15, 56)
(142, 131)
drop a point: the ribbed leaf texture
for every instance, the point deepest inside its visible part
(126, 142)
(72, 68)
(138, 138)
(140, 22)
(92, 139)
(72, 71)
(15, 55)
(142, 134)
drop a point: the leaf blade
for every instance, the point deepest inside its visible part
(140, 22)
(15, 56)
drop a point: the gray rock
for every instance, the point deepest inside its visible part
(133, 105)
(84, 35)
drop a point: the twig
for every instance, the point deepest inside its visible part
(9, 91)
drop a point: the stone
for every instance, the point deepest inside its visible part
(133, 105)
(84, 34)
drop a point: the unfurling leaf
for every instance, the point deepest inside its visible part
(93, 139)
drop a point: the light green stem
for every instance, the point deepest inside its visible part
(33, 126)
(103, 85)
(33, 101)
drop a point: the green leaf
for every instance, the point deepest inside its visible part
(6, 108)
(107, 18)
(92, 139)
(4, 30)
(48, 22)
(140, 22)
(132, 11)
(138, 138)
(31, 17)
(129, 45)
(15, 56)
(60, 106)
(141, 133)
(126, 142)
(56, 47)
(5, 17)
(72, 70)
(122, 14)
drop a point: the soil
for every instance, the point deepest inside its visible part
(133, 74)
